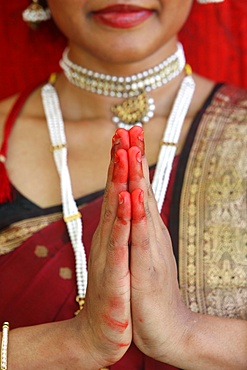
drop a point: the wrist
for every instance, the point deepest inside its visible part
(104, 349)
(54, 346)
(206, 341)
(173, 349)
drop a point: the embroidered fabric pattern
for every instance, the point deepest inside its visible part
(213, 252)
(13, 236)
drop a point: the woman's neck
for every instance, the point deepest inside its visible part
(126, 67)
(78, 103)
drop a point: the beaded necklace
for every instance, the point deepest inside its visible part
(71, 215)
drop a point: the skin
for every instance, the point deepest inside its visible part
(131, 244)
(135, 44)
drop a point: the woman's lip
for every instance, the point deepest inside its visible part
(122, 16)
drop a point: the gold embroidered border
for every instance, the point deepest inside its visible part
(13, 236)
(213, 210)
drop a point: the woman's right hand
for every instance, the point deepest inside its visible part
(105, 320)
(102, 332)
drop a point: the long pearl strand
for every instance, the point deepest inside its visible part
(71, 214)
(171, 137)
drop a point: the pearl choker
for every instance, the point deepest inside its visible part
(137, 106)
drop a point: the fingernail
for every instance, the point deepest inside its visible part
(115, 139)
(115, 142)
(120, 199)
(141, 136)
(116, 158)
(141, 196)
(139, 157)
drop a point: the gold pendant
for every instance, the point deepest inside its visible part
(80, 301)
(134, 110)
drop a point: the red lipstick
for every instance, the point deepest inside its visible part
(122, 16)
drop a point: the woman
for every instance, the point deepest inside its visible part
(133, 316)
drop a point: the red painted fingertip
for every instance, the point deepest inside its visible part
(123, 135)
(120, 170)
(137, 197)
(136, 137)
(120, 199)
(120, 140)
(135, 154)
(139, 157)
(141, 196)
(124, 209)
(137, 205)
(135, 164)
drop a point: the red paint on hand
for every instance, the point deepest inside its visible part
(124, 208)
(120, 171)
(123, 344)
(138, 209)
(120, 141)
(120, 254)
(136, 138)
(117, 303)
(118, 344)
(114, 324)
(135, 164)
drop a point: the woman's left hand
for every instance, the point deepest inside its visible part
(158, 314)
(163, 327)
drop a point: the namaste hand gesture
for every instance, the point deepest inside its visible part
(132, 273)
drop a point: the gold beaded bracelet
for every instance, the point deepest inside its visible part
(4, 346)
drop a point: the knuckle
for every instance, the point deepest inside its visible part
(148, 213)
(106, 192)
(143, 244)
(122, 221)
(108, 215)
(150, 190)
(112, 244)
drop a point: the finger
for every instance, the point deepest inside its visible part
(137, 180)
(143, 226)
(117, 184)
(116, 314)
(150, 245)
(118, 248)
(139, 176)
(119, 141)
(108, 303)
(136, 138)
(141, 253)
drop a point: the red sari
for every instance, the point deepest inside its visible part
(37, 276)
